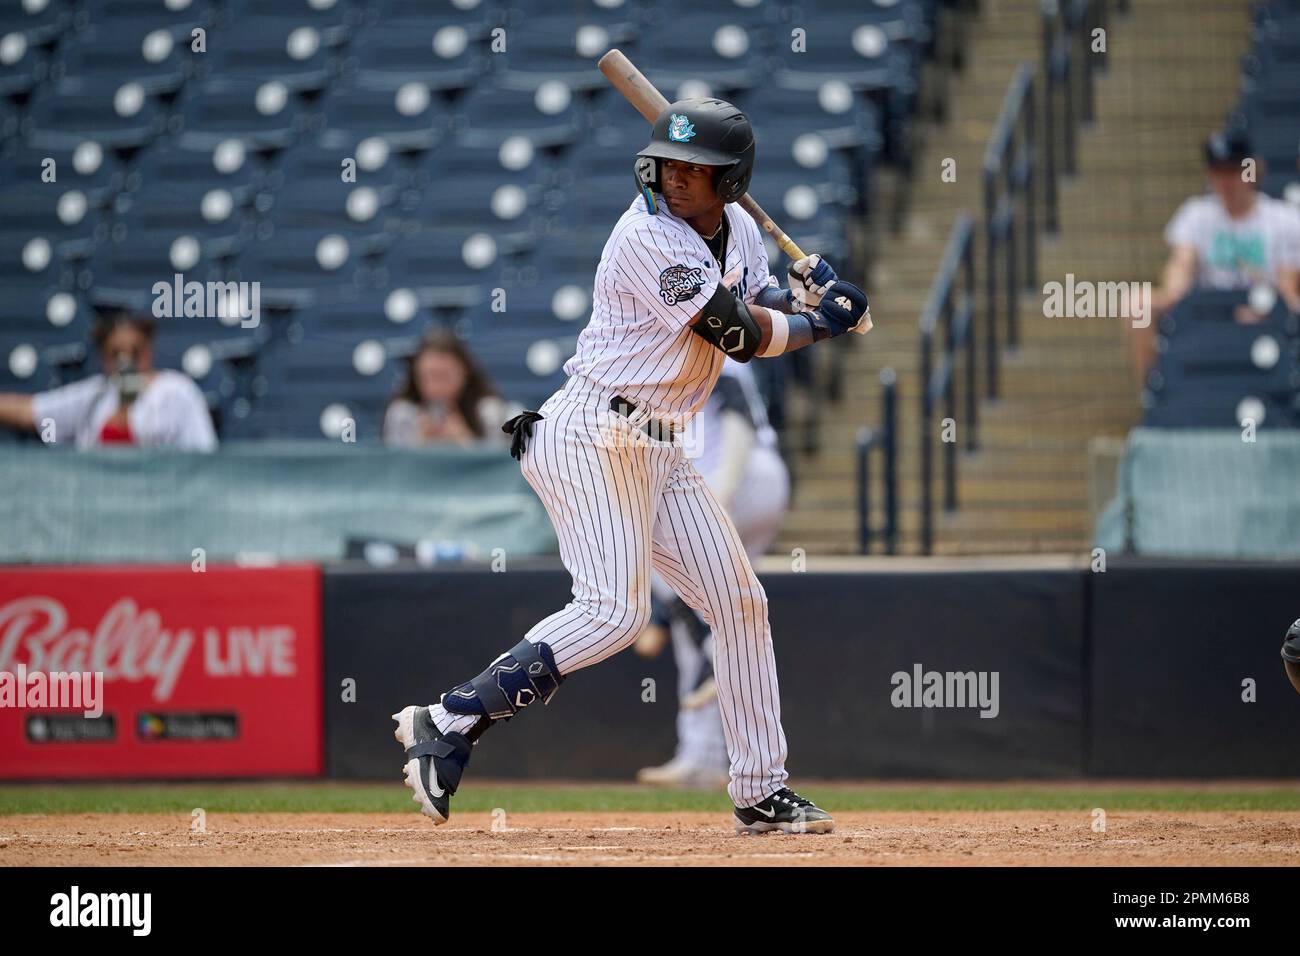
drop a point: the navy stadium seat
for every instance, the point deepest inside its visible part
(162, 13)
(86, 167)
(439, 52)
(39, 22)
(124, 117)
(566, 47)
(548, 116)
(299, 54)
(155, 56)
(410, 118)
(727, 55)
(262, 114)
(23, 64)
(312, 193)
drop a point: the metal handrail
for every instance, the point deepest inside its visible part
(1068, 26)
(1009, 188)
(885, 440)
(957, 317)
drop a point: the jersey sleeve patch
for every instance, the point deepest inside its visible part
(680, 283)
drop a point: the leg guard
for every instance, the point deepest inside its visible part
(525, 674)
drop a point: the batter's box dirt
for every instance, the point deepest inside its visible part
(655, 839)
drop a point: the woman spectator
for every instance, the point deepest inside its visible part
(445, 397)
(130, 403)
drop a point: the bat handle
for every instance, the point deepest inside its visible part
(788, 245)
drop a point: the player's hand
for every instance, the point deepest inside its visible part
(844, 308)
(651, 641)
(810, 277)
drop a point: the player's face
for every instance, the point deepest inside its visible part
(688, 188)
(439, 377)
(127, 343)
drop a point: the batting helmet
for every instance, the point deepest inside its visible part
(1291, 654)
(706, 132)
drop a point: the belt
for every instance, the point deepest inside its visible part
(657, 429)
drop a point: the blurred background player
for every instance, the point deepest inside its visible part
(738, 457)
(130, 403)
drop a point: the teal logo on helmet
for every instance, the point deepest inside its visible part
(680, 129)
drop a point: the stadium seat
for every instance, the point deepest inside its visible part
(440, 52)
(408, 119)
(312, 193)
(697, 47)
(316, 13)
(548, 116)
(299, 54)
(448, 266)
(122, 273)
(23, 64)
(114, 51)
(261, 114)
(122, 118)
(40, 23)
(58, 214)
(565, 47)
(298, 266)
(193, 162)
(486, 200)
(86, 167)
(162, 13)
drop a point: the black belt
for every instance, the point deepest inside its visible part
(657, 429)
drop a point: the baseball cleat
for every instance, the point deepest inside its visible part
(680, 773)
(435, 761)
(786, 812)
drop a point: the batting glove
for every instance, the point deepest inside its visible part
(844, 308)
(810, 277)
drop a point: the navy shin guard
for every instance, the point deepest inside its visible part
(527, 673)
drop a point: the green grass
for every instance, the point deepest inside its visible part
(482, 798)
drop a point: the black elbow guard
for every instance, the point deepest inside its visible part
(727, 324)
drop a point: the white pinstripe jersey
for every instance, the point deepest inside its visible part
(654, 275)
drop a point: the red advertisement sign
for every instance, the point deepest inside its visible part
(149, 671)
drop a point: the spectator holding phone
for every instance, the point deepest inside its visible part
(130, 403)
(445, 397)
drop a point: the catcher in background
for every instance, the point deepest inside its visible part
(735, 449)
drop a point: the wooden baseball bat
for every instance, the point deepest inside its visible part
(649, 102)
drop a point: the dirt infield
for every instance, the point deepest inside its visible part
(658, 839)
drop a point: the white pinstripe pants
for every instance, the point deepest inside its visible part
(623, 503)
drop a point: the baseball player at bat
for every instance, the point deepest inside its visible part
(682, 283)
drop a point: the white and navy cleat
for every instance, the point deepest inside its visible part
(434, 762)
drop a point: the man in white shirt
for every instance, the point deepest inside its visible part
(131, 403)
(1231, 238)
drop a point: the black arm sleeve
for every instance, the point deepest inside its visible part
(725, 323)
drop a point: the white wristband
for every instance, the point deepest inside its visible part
(780, 333)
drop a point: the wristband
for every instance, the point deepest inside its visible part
(780, 334)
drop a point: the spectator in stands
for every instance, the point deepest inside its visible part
(1233, 238)
(130, 403)
(445, 397)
